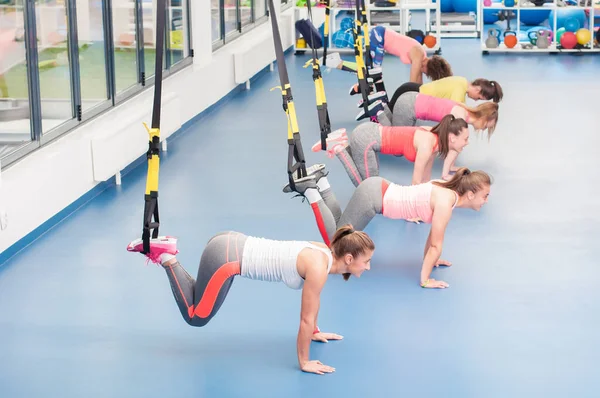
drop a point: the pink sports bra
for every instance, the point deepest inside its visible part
(432, 108)
(406, 202)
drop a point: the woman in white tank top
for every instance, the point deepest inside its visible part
(298, 264)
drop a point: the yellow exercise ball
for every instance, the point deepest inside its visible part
(583, 36)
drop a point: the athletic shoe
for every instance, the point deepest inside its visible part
(333, 60)
(333, 138)
(374, 108)
(302, 184)
(373, 97)
(158, 246)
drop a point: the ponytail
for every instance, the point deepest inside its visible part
(347, 240)
(465, 180)
(448, 125)
(490, 89)
(485, 112)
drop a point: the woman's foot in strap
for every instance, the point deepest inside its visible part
(335, 137)
(158, 246)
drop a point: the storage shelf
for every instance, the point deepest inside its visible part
(399, 22)
(554, 47)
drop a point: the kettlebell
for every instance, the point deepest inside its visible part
(543, 38)
(493, 40)
(510, 38)
(533, 40)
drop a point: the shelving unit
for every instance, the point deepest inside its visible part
(459, 25)
(397, 18)
(554, 47)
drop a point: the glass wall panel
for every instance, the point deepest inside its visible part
(260, 9)
(53, 63)
(216, 12)
(231, 19)
(177, 31)
(246, 12)
(15, 127)
(124, 32)
(149, 23)
(92, 59)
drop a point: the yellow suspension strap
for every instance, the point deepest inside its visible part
(296, 162)
(150, 227)
(365, 24)
(361, 70)
(322, 111)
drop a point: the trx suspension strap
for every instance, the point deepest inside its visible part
(365, 24)
(295, 152)
(326, 31)
(151, 195)
(361, 70)
(322, 112)
(376, 76)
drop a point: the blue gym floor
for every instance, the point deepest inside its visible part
(81, 317)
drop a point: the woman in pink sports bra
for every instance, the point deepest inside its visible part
(412, 106)
(410, 52)
(420, 145)
(432, 202)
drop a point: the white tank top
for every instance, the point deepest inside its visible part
(275, 260)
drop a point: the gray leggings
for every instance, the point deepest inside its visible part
(366, 202)
(403, 113)
(221, 259)
(360, 158)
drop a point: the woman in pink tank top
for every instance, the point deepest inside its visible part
(410, 52)
(412, 106)
(359, 154)
(432, 202)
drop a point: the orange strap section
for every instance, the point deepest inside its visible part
(207, 303)
(320, 223)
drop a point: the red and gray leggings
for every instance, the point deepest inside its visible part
(199, 300)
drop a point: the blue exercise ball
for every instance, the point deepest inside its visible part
(534, 16)
(464, 6)
(564, 14)
(445, 5)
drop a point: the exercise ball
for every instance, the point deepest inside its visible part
(559, 34)
(464, 6)
(583, 36)
(565, 13)
(445, 5)
(568, 40)
(572, 25)
(533, 17)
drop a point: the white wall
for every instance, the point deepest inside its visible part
(45, 182)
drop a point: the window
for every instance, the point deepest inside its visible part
(84, 57)
(285, 4)
(231, 18)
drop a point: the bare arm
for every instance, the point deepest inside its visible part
(422, 161)
(316, 276)
(416, 58)
(433, 249)
(449, 165)
(428, 168)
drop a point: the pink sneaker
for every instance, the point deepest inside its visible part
(158, 246)
(335, 137)
(337, 148)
